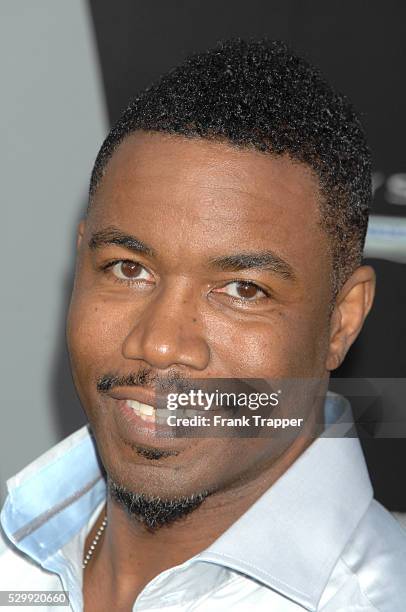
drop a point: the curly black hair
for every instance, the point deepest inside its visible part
(258, 94)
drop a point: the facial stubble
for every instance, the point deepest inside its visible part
(154, 512)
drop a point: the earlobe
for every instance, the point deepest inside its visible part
(353, 304)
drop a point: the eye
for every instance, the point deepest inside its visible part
(244, 290)
(127, 270)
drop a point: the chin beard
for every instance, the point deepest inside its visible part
(154, 512)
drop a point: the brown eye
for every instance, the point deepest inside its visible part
(244, 291)
(130, 270)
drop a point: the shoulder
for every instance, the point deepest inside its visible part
(371, 571)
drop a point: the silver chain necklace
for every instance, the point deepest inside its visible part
(93, 545)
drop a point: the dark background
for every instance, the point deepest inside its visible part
(360, 46)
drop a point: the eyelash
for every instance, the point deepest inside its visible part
(130, 282)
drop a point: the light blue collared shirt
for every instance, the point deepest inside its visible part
(316, 540)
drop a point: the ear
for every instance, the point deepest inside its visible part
(79, 233)
(352, 306)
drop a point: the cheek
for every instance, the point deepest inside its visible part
(96, 330)
(287, 345)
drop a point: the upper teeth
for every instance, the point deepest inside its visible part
(143, 410)
(160, 415)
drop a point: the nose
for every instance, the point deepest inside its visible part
(169, 331)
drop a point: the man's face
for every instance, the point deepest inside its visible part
(227, 276)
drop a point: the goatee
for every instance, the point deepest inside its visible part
(153, 511)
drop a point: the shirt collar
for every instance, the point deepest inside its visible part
(51, 499)
(289, 539)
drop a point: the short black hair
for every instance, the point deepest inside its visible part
(258, 94)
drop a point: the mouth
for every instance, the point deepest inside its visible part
(141, 416)
(151, 406)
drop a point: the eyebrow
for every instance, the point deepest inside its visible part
(267, 260)
(112, 235)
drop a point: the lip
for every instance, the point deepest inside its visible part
(139, 394)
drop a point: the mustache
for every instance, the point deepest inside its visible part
(173, 382)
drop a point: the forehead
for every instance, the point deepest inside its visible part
(173, 188)
(193, 162)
